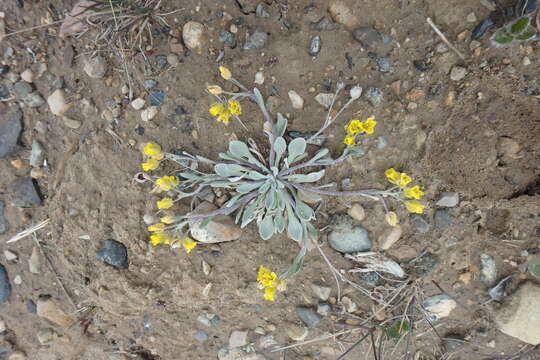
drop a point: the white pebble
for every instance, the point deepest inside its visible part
(259, 78)
(138, 103)
(57, 102)
(357, 212)
(10, 255)
(17, 280)
(149, 113)
(296, 100)
(27, 75)
(526, 61)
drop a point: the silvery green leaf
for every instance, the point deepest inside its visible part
(281, 124)
(302, 178)
(304, 211)
(270, 201)
(279, 222)
(280, 201)
(265, 187)
(233, 200)
(258, 95)
(203, 159)
(321, 153)
(254, 175)
(249, 214)
(248, 187)
(224, 184)
(227, 170)
(228, 156)
(297, 262)
(280, 146)
(312, 231)
(239, 149)
(356, 150)
(190, 176)
(294, 227)
(266, 227)
(296, 148)
(239, 215)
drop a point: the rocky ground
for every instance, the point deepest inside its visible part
(75, 111)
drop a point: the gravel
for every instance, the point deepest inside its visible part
(3, 221)
(367, 36)
(419, 223)
(24, 192)
(448, 199)
(315, 46)
(308, 316)
(5, 286)
(374, 96)
(443, 219)
(257, 40)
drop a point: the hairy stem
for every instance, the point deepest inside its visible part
(370, 193)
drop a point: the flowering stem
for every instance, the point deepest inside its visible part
(371, 193)
(330, 120)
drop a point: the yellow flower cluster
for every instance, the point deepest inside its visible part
(269, 281)
(167, 183)
(355, 127)
(222, 113)
(161, 238)
(154, 154)
(413, 192)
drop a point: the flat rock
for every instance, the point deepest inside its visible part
(347, 238)
(296, 332)
(57, 102)
(308, 316)
(458, 73)
(448, 199)
(520, 316)
(24, 192)
(439, 306)
(390, 237)
(5, 286)
(50, 310)
(238, 338)
(374, 96)
(357, 212)
(3, 221)
(10, 129)
(325, 99)
(46, 336)
(488, 269)
(443, 219)
(113, 253)
(220, 229)
(37, 154)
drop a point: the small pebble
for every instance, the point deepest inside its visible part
(315, 46)
(113, 253)
(443, 219)
(448, 199)
(357, 212)
(308, 316)
(138, 103)
(324, 308)
(17, 280)
(325, 99)
(10, 130)
(5, 286)
(28, 76)
(10, 255)
(257, 40)
(488, 269)
(238, 338)
(259, 78)
(149, 84)
(161, 62)
(156, 97)
(419, 223)
(296, 332)
(367, 36)
(228, 38)
(57, 102)
(37, 154)
(34, 99)
(390, 237)
(95, 67)
(471, 17)
(296, 100)
(46, 336)
(374, 96)
(31, 307)
(321, 291)
(193, 34)
(200, 335)
(526, 61)
(24, 192)
(149, 113)
(439, 306)
(458, 73)
(173, 60)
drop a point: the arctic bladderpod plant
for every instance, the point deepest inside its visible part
(265, 184)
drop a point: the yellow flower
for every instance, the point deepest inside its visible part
(404, 180)
(391, 218)
(153, 150)
(269, 293)
(349, 140)
(415, 206)
(224, 116)
(167, 219)
(225, 73)
(165, 203)
(156, 227)
(166, 183)
(369, 125)
(216, 109)
(160, 238)
(188, 244)
(234, 107)
(214, 89)
(266, 277)
(413, 192)
(353, 127)
(392, 175)
(151, 164)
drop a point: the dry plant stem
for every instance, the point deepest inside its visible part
(342, 356)
(51, 267)
(321, 338)
(331, 269)
(28, 231)
(370, 194)
(441, 35)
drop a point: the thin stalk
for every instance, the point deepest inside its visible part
(370, 194)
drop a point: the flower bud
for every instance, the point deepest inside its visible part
(356, 92)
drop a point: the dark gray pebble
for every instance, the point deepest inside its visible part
(149, 84)
(443, 219)
(426, 263)
(113, 253)
(308, 316)
(422, 65)
(5, 286)
(161, 62)
(384, 64)
(419, 223)
(10, 130)
(24, 192)
(4, 92)
(3, 221)
(323, 24)
(156, 97)
(367, 36)
(31, 307)
(228, 38)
